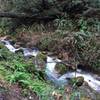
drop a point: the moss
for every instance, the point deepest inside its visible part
(77, 81)
(42, 56)
(61, 68)
(40, 61)
(1, 46)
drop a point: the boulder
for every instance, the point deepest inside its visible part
(61, 68)
(40, 61)
(77, 81)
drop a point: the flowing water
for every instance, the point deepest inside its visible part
(50, 71)
(90, 78)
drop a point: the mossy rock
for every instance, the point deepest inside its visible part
(77, 81)
(40, 61)
(61, 68)
(42, 56)
(1, 46)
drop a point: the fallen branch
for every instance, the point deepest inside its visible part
(26, 16)
(16, 15)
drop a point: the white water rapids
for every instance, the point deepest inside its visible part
(50, 68)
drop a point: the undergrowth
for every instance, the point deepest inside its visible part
(15, 69)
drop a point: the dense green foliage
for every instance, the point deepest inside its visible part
(79, 37)
(15, 69)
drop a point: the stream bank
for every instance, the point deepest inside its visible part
(90, 88)
(51, 68)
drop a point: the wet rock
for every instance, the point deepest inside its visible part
(61, 68)
(16, 45)
(21, 44)
(40, 61)
(77, 82)
(52, 54)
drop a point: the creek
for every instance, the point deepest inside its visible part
(92, 79)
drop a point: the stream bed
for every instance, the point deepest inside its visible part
(92, 79)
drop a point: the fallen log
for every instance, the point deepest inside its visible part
(26, 16)
(16, 15)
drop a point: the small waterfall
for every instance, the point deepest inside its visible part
(30, 52)
(9, 46)
(51, 73)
